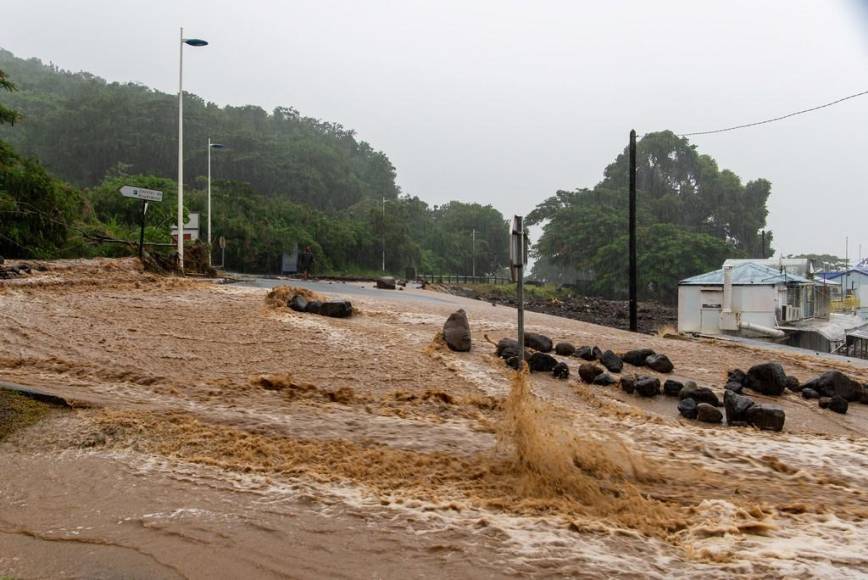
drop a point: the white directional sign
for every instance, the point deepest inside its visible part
(142, 193)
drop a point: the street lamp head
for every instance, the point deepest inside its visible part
(195, 42)
(218, 146)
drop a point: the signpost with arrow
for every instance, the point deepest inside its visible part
(146, 195)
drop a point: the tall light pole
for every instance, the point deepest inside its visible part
(384, 234)
(210, 147)
(473, 252)
(191, 42)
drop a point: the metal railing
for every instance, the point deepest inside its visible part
(848, 304)
(459, 279)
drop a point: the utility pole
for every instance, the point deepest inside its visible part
(634, 326)
(384, 234)
(473, 253)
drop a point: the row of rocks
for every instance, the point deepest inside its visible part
(833, 389)
(614, 363)
(332, 308)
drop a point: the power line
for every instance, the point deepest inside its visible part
(787, 116)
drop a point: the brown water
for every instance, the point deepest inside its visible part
(238, 439)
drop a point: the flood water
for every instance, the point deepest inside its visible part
(219, 436)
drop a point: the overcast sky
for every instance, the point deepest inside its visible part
(504, 102)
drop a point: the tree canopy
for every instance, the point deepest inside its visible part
(690, 214)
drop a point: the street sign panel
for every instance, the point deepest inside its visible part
(142, 193)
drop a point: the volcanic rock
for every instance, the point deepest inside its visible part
(628, 383)
(456, 331)
(699, 394)
(637, 357)
(585, 352)
(598, 354)
(809, 393)
(298, 303)
(687, 408)
(793, 384)
(734, 387)
(736, 406)
(671, 387)
(604, 379)
(766, 378)
(541, 362)
(538, 342)
(708, 413)
(736, 376)
(336, 308)
(313, 307)
(565, 349)
(386, 283)
(833, 383)
(648, 386)
(589, 371)
(766, 417)
(561, 371)
(612, 361)
(659, 363)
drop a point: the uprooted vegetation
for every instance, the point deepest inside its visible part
(18, 411)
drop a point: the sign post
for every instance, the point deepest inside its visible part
(146, 195)
(517, 261)
(222, 243)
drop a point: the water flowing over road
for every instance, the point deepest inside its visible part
(216, 435)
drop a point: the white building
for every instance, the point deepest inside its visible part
(749, 298)
(191, 229)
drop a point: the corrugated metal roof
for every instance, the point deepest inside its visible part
(861, 332)
(747, 274)
(800, 266)
(834, 275)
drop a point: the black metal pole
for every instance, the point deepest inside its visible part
(634, 326)
(142, 231)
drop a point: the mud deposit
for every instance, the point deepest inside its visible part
(227, 436)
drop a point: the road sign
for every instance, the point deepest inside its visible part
(142, 193)
(221, 242)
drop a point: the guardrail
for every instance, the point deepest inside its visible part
(848, 304)
(459, 279)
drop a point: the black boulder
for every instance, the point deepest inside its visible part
(637, 357)
(612, 361)
(659, 363)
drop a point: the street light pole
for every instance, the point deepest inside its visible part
(191, 42)
(473, 253)
(181, 153)
(384, 234)
(210, 147)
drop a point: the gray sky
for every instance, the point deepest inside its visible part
(504, 102)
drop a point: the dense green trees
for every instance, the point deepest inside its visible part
(295, 180)
(691, 216)
(81, 126)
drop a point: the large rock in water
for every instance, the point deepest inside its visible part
(561, 371)
(766, 417)
(604, 379)
(793, 384)
(637, 357)
(833, 383)
(809, 393)
(589, 371)
(648, 386)
(585, 352)
(507, 349)
(386, 283)
(298, 303)
(456, 331)
(336, 308)
(708, 413)
(565, 349)
(314, 307)
(687, 408)
(671, 387)
(766, 378)
(736, 406)
(736, 376)
(659, 363)
(541, 362)
(699, 394)
(628, 383)
(538, 342)
(836, 403)
(612, 361)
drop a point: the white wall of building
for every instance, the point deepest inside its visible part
(755, 304)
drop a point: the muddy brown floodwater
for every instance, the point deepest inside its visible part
(218, 436)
